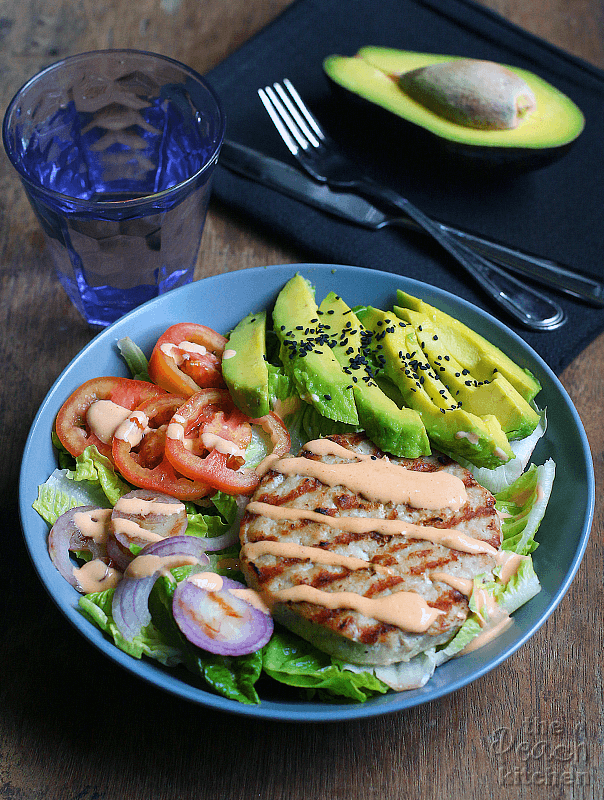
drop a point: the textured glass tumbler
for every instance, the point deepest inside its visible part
(116, 151)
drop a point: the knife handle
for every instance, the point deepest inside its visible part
(531, 308)
(542, 270)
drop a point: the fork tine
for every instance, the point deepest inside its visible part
(312, 121)
(301, 119)
(277, 121)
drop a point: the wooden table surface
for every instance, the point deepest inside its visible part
(71, 730)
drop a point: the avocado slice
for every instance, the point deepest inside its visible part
(374, 76)
(244, 366)
(483, 359)
(496, 396)
(306, 355)
(395, 430)
(481, 441)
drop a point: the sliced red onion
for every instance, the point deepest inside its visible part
(119, 555)
(130, 605)
(178, 546)
(65, 536)
(219, 621)
(158, 524)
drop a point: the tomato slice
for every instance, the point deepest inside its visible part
(138, 451)
(272, 424)
(72, 426)
(187, 358)
(206, 439)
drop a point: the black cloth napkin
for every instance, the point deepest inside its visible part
(555, 211)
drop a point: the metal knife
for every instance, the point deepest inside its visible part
(293, 183)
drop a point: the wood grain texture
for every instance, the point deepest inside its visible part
(65, 736)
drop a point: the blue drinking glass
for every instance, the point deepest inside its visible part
(116, 151)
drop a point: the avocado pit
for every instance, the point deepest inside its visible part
(470, 92)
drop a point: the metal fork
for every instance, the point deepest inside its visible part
(321, 158)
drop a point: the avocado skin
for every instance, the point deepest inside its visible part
(306, 355)
(481, 441)
(395, 430)
(246, 373)
(355, 85)
(495, 396)
(470, 349)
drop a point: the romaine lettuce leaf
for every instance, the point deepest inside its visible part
(232, 677)
(97, 608)
(61, 492)
(91, 482)
(496, 480)
(523, 505)
(135, 359)
(295, 662)
(404, 675)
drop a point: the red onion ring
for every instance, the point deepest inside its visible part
(200, 615)
(130, 603)
(65, 536)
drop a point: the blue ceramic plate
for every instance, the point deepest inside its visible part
(221, 302)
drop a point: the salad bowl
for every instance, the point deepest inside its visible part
(220, 302)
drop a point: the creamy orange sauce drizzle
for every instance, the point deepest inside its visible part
(378, 479)
(182, 351)
(471, 437)
(93, 524)
(318, 555)
(104, 417)
(176, 430)
(131, 529)
(133, 429)
(96, 576)
(407, 610)
(211, 441)
(212, 582)
(389, 527)
(266, 464)
(144, 566)
(461, 585)
(510, 564)
(140, 507)
(487, 635)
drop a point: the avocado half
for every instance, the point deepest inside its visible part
(372, 76)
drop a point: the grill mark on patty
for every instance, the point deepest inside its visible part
(306, 486)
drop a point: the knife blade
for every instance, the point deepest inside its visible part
(291, 182)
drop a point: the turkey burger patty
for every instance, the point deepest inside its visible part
(378, 581)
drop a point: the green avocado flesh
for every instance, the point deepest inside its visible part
(374, 75)
(470, 349)
(399, 431)
(244, 366)
(306, 355)
(411, 378)
(479, 439)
